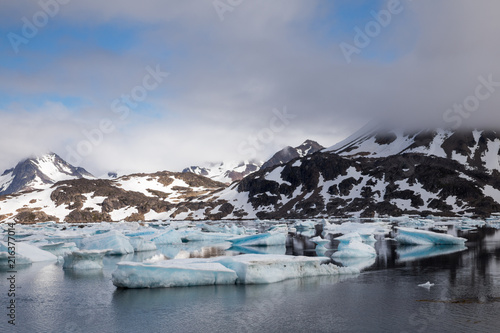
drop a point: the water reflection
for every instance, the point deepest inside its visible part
(410, 253)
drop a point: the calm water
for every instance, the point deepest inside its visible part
(383, 298)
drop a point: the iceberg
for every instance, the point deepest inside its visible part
(19, 260)
(264, 239)
(168, 237)
(30, 252)
(171, 273)
(59, 249)
(84, 260)
(320, 242)
(263, 269)
(411, 236)
(140, 244)
(113, 240)
(345, 239)
(354, 249)
(243, 269)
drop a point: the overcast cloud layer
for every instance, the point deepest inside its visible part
(271, 70)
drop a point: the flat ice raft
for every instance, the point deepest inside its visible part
(243, 269)
(411, 236)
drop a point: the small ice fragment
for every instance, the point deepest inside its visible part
(427, 285)
(85, 259)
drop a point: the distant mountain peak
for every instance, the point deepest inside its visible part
(225, 172)
(289, 153)
(38, 171)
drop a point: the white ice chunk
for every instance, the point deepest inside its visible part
(427, 285)
(261, 268)
(31, 252)
(156, 258)
(244, 269)
(140, 244)
(345, 239)
(113, 240)
(320, 241)
(354, 249)
(168, 237)
(423, 237)
(265, 239)
(59, 249)
(171, 273)
(6, 260)
(84, 260)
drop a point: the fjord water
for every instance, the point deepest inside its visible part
(385, 297)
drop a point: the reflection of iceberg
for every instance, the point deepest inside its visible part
(276, 249)
(198, 236)
(354, 249)
(359, 263)
(409, 253)
(265, 239)
(244, 269)
(84, 260)
(422, 237)
(112, 240)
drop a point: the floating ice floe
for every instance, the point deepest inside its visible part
(265, 239)
(427, 285)
(30, 252)
(354, 249)
(320, 242)
(422, 237)
(416, 252)
(7, 260)
(84, 260)
(303, 225)
(168, 237)
(59, 249)
(243, 269)
(113, 240)
(262, 269)
(140, 244)
(172, 273)
(346, 238)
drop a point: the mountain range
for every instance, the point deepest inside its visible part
(373, 172)
(228, 172)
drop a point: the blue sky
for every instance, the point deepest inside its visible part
(227, 76)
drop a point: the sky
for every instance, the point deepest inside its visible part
(131, 86)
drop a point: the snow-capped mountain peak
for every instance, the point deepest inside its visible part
(225, 172)
(471, 147)
(289, 153)
(38, 172)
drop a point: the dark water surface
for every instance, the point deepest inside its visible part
(385, 297)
